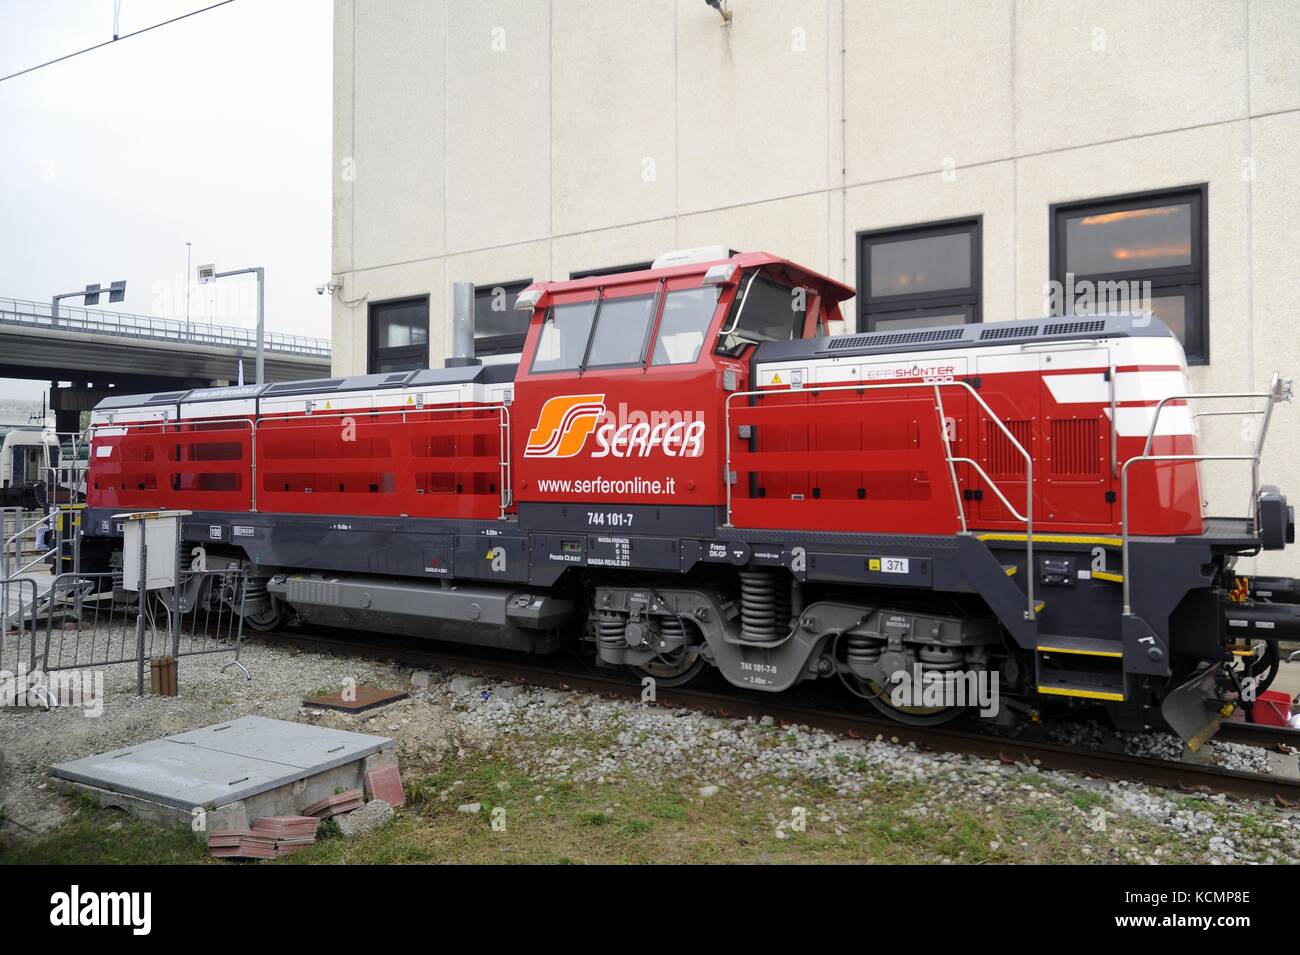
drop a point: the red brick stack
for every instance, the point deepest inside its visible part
(270, 838)
(336, 805)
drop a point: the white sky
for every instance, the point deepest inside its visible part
(216, 130)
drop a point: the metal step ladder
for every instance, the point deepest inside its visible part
(1084, 667)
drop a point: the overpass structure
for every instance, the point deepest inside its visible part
(94, 349)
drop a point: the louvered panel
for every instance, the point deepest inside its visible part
(1003, 456)
(1075, 448)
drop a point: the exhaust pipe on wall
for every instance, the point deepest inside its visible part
(462, 326)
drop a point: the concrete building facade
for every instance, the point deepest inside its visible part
(952, 159)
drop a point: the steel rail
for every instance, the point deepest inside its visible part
(731, 705)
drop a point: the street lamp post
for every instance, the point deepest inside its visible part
(187, 290)
(209, 273)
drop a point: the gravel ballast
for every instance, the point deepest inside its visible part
(557, 737)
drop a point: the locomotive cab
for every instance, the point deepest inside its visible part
(622, 383)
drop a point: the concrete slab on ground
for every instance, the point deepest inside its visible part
(234, 762)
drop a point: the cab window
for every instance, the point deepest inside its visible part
(687, 314)
(763, 311)
(563, 341)
(622, 325)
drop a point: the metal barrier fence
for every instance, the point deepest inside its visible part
(18, 624)
(87, 621)
(203, 615)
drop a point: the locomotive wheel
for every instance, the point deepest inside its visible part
(908, 715)
(674, 669)
(265, 621)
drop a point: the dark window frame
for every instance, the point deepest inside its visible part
(375, 354)
(1193, 280)
(501, 344)
(968, 300)
(656, 307)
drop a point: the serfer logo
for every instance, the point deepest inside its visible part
(563, 426)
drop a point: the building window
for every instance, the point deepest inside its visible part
(1133, 253)
(399, 335)
(918, 276)
(499, 328)
(611, 270)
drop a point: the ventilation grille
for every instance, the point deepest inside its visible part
(394, 379)
(1075, 448)
(320, 593)
(1007, 330)
(322, 385)
(878, 339)
(1003, 457)
(1082, 327)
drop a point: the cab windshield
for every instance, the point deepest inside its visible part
(763, 311)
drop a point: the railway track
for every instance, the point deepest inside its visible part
(732, 703)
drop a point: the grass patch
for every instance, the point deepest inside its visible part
(95, 836)
(663, 819)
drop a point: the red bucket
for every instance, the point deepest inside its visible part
(1272, 708)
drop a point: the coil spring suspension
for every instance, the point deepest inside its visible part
(255, 598)
(943, 659)
(764, 606)
(862, 653)
(610, 630)
(672, 633)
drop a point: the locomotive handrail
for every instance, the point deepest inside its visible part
(1123, 495)
(164, 423)
(1027, 519)
(503, 461)
(1279, 390)
(993, 485)
(503, 423)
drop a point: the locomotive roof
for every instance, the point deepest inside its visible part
(1017, 332)
(834, 290)
(468, 374)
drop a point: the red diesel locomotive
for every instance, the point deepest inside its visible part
(685, 469)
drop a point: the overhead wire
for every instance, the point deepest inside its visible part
(116, 15)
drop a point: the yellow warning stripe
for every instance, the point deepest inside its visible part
(1054, 539)
(1107, 575)
(1084, 653)
(1085, 694)
(1011, 569)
